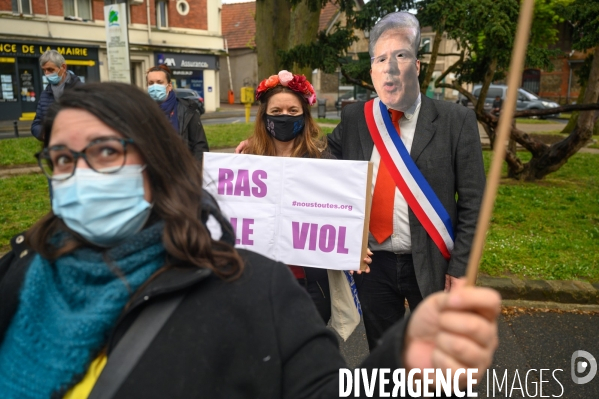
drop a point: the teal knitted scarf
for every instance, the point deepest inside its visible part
(66, 312)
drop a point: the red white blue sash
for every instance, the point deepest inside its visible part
(409, 180)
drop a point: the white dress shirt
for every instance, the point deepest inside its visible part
(400, 241)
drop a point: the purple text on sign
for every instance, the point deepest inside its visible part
(327, 237)
(246, 231)
(229, 184)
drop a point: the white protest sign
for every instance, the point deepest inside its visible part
(305, 212)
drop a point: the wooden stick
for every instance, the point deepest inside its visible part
(505, 123)
(368, 206)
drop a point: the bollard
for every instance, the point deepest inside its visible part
(248, 109)
(322, 108)
(16, 129)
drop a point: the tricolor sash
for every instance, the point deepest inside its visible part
(409, 180)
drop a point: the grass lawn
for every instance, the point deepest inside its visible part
(550, 229)
(19, 151)
(230, 135)
(227, 135)
(328, 121)
(596, 146)
(23, 200)
(533, 121)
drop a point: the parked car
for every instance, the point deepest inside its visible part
(526, 99)
(191, 95)
(349, 97)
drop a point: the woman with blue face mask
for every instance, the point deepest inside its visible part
(183, 114)
(121, 289)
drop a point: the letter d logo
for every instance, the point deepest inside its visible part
(582, 366)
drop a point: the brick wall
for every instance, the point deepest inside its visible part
(39, 7)
(197, 18)
(138, 13)
(54, 7)
(98, 10)
(5, 5)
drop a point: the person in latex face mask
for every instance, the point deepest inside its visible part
(395, 69)
(284, 125)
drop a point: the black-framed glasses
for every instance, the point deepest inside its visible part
(103, 155)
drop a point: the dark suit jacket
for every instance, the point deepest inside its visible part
(447, 150)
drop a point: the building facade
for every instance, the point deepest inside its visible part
(183, 34)
(240, 65)
(239, 30)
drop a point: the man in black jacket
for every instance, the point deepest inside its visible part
(191, 129)
(60, 79)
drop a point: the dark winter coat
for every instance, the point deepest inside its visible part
(46, 99)
(190, 127)
(257, 337)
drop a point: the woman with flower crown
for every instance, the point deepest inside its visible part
(284, 125)
(285, 128)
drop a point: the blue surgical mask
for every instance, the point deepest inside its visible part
(105, 209)
(53, 78)
(157, 92)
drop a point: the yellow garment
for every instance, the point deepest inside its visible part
(84, 387)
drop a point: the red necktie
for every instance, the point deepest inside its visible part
(381, 214)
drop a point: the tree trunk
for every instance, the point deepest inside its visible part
(303, 29)
(480, 104)
(272, 34)
(432, 62)
(574, 118)
(512, 169)
(557, 154)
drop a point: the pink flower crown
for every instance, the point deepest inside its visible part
(297, 83)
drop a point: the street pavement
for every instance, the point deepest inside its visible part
(532, 340)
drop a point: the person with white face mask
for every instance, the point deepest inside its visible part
(183, 114)
(59, 78)
(428, 178)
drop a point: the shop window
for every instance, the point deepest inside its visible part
(161, 14)
(21, 6)
(531, 80)
(8, 80)
(78, 8)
